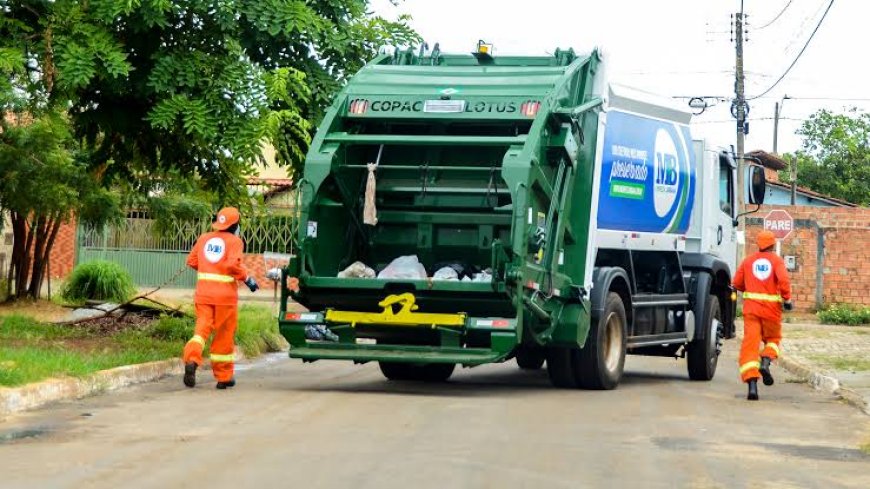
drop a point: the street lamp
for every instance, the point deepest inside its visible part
(776, 113)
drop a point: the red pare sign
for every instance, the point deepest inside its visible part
(779, 222)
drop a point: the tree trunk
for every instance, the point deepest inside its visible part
(22, 242)
(45, 240)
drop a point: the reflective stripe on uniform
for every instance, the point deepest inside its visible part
(214, 277)
(197, 339)
(215, 357)
(749, 366)
(762, 297)
(773, 346)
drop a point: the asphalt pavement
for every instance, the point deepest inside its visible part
(329, 424)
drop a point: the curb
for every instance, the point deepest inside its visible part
(31, 396)
(824, 383)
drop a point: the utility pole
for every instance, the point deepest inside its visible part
(777, 112)
(739, 113)
(775, 126)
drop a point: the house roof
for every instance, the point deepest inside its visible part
(812, 194)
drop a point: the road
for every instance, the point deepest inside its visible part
(338, 425)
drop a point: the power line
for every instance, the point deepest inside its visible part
(752, 119)
(787, 70)
(777, 16)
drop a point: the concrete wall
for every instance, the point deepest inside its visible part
(832, 247)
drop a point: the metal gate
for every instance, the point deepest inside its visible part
(153, 253)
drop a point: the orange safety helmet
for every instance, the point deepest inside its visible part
(225, 218)
(765, 240)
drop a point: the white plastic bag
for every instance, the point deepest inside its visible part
(446, 273)
(404, 267)
(483, 276)
(357, 270)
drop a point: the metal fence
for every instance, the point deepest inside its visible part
(154, 253)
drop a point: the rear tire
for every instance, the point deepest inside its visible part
(703, 355)
(429, 372)
(559, 367)
(530, 358)
(599, 364)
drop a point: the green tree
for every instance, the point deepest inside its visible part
(835, 156)
(162, 97)
(43, 183)
(192, 87)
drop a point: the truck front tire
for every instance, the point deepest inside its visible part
(702, 355)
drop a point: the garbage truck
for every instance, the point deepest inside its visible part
(580, 219)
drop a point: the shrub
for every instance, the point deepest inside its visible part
(172, 328)
(845, 314)
(99, 280)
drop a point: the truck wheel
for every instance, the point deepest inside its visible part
(559, 367)
(436, 372)
(429, 372)
(396, 371)
(530, 358)
(703, 355)
(599, 364)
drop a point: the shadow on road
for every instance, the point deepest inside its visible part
(471, 383)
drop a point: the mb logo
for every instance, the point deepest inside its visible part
(667, 173)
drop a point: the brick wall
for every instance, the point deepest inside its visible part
(63, 253)
(832, 248)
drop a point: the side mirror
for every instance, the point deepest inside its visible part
(757, 185)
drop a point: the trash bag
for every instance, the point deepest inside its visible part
(484, 276)
(460, 269)
(446, 273)
(405, 267)
(319, 332)
(357, 270)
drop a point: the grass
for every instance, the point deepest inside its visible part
(31, 350)
(865, 447)
(851, 363)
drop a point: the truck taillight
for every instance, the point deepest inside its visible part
(358, 106)
(530, 108)
(292, 316)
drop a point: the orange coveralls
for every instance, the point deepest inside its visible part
(217, 258)
(764, 281)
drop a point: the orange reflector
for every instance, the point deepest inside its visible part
(530, 108)
(292, 316)
(358, 106)
(500, 323)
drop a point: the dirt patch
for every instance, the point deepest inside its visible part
(40, 310)
(110, 325)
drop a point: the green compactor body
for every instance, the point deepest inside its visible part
(484, 163)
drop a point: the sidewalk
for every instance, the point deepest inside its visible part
(838, 355)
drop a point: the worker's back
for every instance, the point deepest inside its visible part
(763, 277)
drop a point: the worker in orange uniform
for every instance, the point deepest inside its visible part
(766, 292)
(217, 259)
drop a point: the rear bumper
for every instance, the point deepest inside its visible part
(476, 342)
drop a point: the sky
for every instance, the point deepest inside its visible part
(681, 48)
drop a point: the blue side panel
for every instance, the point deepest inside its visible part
(647, 175)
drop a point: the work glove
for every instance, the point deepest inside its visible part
(252, 284)
(787, 305)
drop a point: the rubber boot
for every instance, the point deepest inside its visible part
(190, 374)
(765, 371)
(753, 390)
(224, 385)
